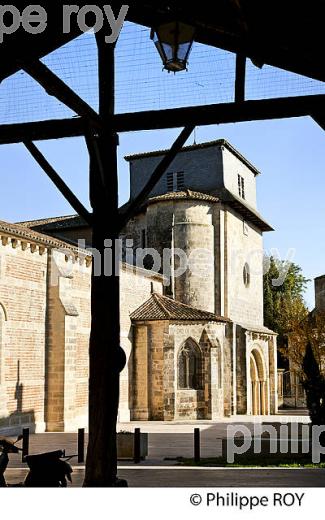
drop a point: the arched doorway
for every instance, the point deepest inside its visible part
(259, 401)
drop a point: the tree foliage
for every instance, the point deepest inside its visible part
(301, 337)
(284, 286)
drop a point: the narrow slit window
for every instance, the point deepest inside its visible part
(246, 275)
(241, 186)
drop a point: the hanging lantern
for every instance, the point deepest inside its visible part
(174, 41)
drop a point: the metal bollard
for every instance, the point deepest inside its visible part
(81, 445)
(197, 446)
(137, 446)
(25, 444)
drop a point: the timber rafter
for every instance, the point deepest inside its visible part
(222, 113)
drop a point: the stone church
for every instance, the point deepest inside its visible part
(191, 275)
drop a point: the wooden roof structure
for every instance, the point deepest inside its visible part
(286, 34)
(283, 33)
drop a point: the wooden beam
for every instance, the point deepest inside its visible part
(320, 120)
(240, 78)
(54, 86)
(59, 183)
(156, 176)
(277, 108)
(42, 130)
(256, 110)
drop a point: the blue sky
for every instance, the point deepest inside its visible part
(289, 153)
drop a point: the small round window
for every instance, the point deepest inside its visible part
(246, 275)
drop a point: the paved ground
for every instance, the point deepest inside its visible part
(203, 477)
(172, 440)
(167, 441)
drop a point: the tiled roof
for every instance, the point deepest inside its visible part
(259, 330)
(160, 307)
(55, 223)
(209, 144)
(184, 195)
(23, 232)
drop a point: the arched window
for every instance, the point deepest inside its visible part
(189, 367)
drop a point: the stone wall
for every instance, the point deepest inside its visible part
(194, 237)
(241, 376)
(232, 167)
(181, 233)
(157, 345)
(68, 327)
(202, 171)
(149, 370)
(136, 287)
(44, 334)
(229, 382)
(80, 236)
(23, 273)
(207, 403)
(243, 305)
(140, 374)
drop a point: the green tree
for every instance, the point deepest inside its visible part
(284, 287)
(301, 334)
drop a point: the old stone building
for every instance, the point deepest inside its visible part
(191, 302)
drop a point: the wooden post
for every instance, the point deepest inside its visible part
(25, 444)
(137, 446)
(81, 445)
(240, 78)
(101, 462)
(197, 447)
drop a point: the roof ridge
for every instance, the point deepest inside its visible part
(206, 144)
(156, 297)
(46, 219)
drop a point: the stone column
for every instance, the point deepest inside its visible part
(264, 403)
